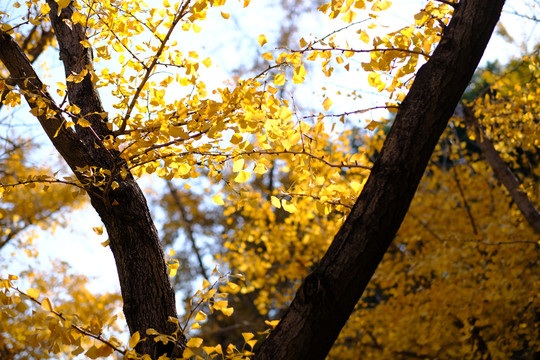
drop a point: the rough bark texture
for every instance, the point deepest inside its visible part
(503, 171)
(328, 295)
(146, 290)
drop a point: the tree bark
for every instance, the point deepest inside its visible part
(503, 171)
(149, 299)
(328, 295)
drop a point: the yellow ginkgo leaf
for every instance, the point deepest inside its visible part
(327, 103)
(83, 122)
(218, 199)
(46, 305)
(238, 164)
(200, 316)
(268, 56)
(381, 5)
(242, 177)
(33, 293)
(227, 311)
(279, 79)
(262, 40)
(207, 62)
(194, 342)
(289, 207)
(134, 339)
(62, 4)
(275, 202)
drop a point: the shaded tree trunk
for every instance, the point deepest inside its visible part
(148, 296)
(328, 295)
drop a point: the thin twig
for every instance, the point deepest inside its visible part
(465, 202)
(189, 228)
(360, 111)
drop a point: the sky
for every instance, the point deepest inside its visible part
(231, 44)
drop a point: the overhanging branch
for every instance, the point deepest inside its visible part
(503, 171)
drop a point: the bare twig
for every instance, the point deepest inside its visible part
(188, 223)
(465, 202)
(360, 111)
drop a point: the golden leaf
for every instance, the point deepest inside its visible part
(327, 103)
(242, 177)
(46, 305)
(262, 40)
(200, 316)
(134, 339)
(33, 293)
(194, 342)
(218, 199)
(276, 202)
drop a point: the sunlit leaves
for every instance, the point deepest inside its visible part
(41, 329)
(194, 342)
(45, 9)
(279, 79)
(286, 178)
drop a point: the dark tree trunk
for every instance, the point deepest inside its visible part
(147, 293)
(148, 296)
(328, 295)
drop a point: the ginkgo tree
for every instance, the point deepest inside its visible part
(233, 135)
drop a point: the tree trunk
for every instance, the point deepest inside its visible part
(148, 296)
(328, 295)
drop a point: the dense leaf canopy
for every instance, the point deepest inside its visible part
(251, 179)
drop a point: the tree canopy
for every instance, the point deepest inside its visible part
(405, 226)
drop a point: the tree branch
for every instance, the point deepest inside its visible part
(465, 201)
(22, 73)
(502, 171)
(188, 225)
(40, 46)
